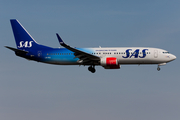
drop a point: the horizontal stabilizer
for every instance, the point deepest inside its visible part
(17, 50)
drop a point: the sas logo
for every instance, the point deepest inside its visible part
(26, 44)
(135, 53)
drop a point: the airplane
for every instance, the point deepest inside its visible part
(107, 57)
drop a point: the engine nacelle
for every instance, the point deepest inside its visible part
(110, 63)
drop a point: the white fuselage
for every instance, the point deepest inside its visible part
(135, 55)
(124, 55)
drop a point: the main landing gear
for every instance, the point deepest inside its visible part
(92, 68)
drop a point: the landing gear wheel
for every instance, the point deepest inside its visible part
(89, 68)
(92, 69)
(158, 68)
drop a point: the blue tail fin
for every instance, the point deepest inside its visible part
(24, 40)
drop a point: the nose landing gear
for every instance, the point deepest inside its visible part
(92, 68)
(158, 68)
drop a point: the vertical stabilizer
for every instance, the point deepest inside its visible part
(23, 39)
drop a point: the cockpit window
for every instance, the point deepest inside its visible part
(165, 52)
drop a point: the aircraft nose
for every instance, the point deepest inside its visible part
(173, 57)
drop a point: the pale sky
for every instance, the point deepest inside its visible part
(36, 91)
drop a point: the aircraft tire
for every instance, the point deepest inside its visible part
(158, 68)
(93, 70)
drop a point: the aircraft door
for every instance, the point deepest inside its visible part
(39, 53)
(155, 53)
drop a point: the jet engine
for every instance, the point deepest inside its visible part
(110, 63)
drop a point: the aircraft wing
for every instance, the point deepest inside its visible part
(84, 56)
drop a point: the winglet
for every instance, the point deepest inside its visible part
(60, 40)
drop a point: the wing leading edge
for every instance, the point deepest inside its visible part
(83, 56)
